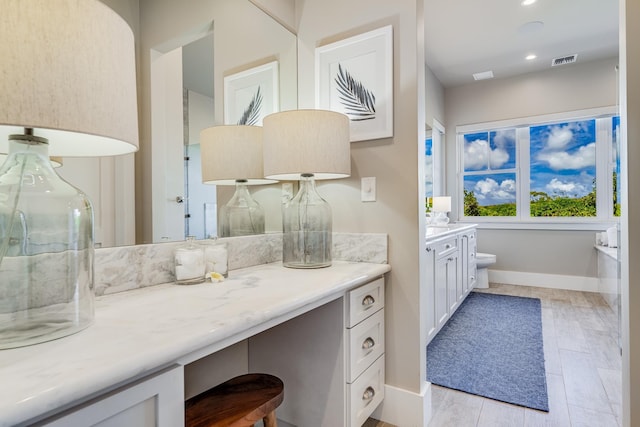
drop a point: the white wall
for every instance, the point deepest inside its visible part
(568, 88)
(393, 161)
(630, 222)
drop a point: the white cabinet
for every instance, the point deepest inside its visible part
(155, 401)
(468, 253)
(451, 274)
(330, 359)
(365, 350)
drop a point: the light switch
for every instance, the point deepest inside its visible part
(368, 189)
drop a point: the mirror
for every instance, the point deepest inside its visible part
(188, 95)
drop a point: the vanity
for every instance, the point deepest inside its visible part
(451, 271)
(321, 331)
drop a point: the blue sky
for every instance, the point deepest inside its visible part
(562, 160)
(428, 167)
(486, 151)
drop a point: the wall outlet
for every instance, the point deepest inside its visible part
(368, 189)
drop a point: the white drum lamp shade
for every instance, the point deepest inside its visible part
(67, 88)
(232, 155)
(306, 141)
(229, 153)
(68, 71)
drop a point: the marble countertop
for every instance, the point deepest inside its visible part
(436, 232)
(139, 332)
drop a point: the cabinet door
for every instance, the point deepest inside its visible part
(464, 256)
(156, 401)
(472, 271)
(441, 305)
(430, 293)
(454, 285)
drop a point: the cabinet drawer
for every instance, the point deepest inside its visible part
(364, 301)
(366, 344)
(446, 247)
(366, 393)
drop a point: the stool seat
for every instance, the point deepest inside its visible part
(238, 402)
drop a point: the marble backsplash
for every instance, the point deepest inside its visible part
(125, 268)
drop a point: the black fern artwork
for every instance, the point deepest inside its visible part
(358, 101)
(251, 114)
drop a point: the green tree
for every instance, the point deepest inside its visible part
(471, 206)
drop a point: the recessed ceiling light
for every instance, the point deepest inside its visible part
(530, 57)
(528, 2)
(531, 27)
(484, 75)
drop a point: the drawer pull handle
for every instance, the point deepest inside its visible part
(368, 301)
(368, 393)
(450, 259)
(368, 343)
(428, 248)
(447, 246)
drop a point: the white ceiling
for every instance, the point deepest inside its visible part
(463, 37)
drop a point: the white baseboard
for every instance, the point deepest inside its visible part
(541, 280)
(405, 408)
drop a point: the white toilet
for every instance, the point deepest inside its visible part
(483, 261)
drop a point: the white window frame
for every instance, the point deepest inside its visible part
(523, 220)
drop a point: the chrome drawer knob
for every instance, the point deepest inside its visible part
(368, 343)
(368, 393)
(368, 301)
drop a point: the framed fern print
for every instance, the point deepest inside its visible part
(251, 94)
(354, 76)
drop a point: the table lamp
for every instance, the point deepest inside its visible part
(232, 155)
(306, 145)
(68, 88)
(441, 206)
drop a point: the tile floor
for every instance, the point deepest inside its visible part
(583, 365)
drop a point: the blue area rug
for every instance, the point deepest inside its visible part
(492, 347)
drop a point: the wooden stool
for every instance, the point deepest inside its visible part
(239, 402)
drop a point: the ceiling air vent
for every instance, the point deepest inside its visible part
(569, 59)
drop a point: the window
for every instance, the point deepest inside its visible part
(428, 169)
(541, 169)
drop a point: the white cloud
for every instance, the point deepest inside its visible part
(559, 160)
(557, 186)
(490, 189)
(477, 154)
(504, 138)
(559, 137)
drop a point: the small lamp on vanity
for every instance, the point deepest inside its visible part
(232, 155)
(68, 88)
(441, 206)
(306, 145)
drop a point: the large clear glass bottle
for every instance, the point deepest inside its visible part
(307, 227)
(242, 215)
(46, 249)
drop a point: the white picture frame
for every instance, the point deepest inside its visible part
(354, 76)
(251, 95)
